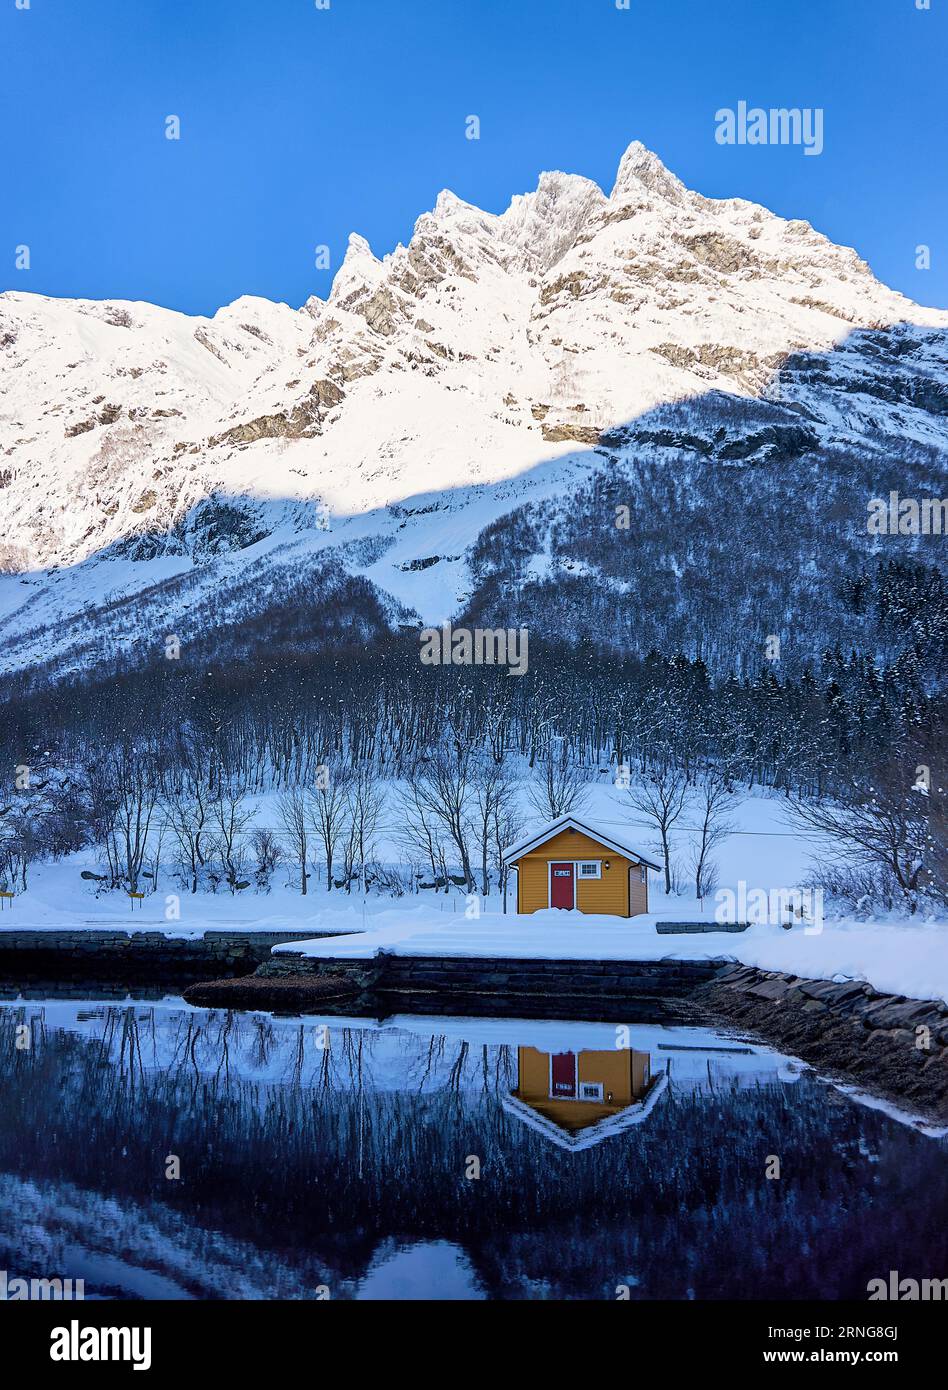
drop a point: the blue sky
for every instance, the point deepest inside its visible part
(299, 125)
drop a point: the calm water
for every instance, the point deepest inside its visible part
(344, 1156)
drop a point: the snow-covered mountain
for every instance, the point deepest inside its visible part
(165, 473)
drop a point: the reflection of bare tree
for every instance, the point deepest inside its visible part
(220, 1048)
(361, 1162)
(182, 1040)
(299, 1057)
(130, 1058)
(361, 1095)
(223, 1046)
(322, 1080)
(435, 1052)
(263, 1037)
(456, 1073)
(352, 1061)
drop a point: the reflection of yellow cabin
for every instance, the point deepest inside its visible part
(579, 1098)
(575, 866)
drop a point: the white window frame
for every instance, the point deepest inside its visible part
(585, 863)
(597, 1086)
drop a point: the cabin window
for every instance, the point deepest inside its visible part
(643, 871)
(590, 1090)
(591, 869)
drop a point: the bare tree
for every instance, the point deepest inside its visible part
(419, 829)
(364, 804)
(936, 870)
(561, 787)
(661, 797)
(130, 794)
(20, 844)
(267, 852)
(492, 803)
(294, 816)
(442, 784)
(231, 815)
(187, 815)
(157, 843)
(506, 829)
(327, 809)
(711, 804)
(883, 822)
(187, 809)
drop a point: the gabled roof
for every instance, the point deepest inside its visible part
(592, 1135)
(611, 841)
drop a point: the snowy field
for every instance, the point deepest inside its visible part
(765, 852)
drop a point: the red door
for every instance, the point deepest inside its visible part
(563, 1076)
(561, 885)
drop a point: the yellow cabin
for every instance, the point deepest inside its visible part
(577, 1099)
(574, 866)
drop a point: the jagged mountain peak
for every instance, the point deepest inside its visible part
(448, 204)
(360, 267)
(494, 351)
(640, 168)
(544, 224)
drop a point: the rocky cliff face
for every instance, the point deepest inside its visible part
(493, 361)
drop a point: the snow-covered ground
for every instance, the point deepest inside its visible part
(764, 851)
(57, 900)
(893, 957)
(892, 952)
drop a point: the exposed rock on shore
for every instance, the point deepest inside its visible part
(256, 992)
(893, 1046)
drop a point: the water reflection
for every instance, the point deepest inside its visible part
(335, 1156)
(577, 1099)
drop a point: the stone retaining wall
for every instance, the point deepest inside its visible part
(535, 979)
(112, 954)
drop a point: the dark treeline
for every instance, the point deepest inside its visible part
(707, 552)
(273, 720)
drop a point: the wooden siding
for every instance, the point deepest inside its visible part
(638, 892)
(623, 1073)
(608, 894)
(570, 844)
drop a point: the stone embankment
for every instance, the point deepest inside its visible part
(104, 953)
(594, 990)
(895, 1047)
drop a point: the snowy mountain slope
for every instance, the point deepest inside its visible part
(150, 462)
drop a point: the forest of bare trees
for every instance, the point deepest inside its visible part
(160, 768)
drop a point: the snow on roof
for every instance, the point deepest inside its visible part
(616, 843)
(587, 1138)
